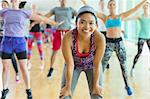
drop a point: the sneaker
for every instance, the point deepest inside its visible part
(4, 93)
(17, 78)
(132, 73)
(129, 91)
(107, 66)
(29, 65)
(42, 65)
(29, 93)
(50, 72)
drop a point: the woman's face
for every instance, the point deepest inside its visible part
(4, 5)
(62, 2)
(86, 24)
(112, 5)
(15, 2)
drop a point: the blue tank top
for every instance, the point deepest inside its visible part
(113, 23)
(83, 62)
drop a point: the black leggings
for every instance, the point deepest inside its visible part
(13, 59)
(140, 48)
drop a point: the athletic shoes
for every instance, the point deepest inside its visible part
(107, 66)
(29, 93)
(17, 78)
(50, 72)
(29, 65)
(129, 91)
(4, 93)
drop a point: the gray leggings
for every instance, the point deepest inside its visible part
(119, 48)
(75, 77)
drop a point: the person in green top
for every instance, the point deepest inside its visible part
(144, 34)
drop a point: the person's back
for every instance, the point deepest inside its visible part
(63, 14)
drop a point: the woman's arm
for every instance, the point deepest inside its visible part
(131, 11)
(39, 18)
(84, 2)
(100, 49)
(132, 18)
(67, 53)
(101, 14)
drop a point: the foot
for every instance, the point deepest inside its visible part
(129, 91)
(132, 73)
(50, 72)
(4, 93)
(29, 65)
(107, 66)
(42, 65)
(29, 93)
(17, 78)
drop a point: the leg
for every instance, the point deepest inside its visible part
(121, 54)
(75, 77)
(56, 46)
(148, 43)
(108, 52)
(21, 54)
(46, 34)
(22, 59)
(14, 63)
(38, 37)
(30, 42)
(140, 48)
(5, 73)
(15, 66)
(89, 75)
(6, 54)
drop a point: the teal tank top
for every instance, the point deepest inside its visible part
(144, 28)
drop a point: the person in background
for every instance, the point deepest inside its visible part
(62, 13)
(114, 40)
(5, 5)
(14, 42)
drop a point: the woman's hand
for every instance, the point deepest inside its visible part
(97, 90)
(65, 91)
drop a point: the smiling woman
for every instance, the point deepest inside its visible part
(83, 49)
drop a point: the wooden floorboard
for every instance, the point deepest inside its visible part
(44, 88)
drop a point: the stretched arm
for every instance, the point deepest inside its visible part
(67, 53)
(101, 14)
(100, 48)
(41, 18)
(84, 2)
(32, 24)
(131, 11)
(101, 5)
(132, 18)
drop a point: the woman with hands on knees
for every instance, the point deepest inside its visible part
(83, 49)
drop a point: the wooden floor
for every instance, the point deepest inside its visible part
(114, 85)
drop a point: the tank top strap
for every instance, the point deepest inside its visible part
(74, 41)
(92, 43)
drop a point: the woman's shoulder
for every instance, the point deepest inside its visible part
(98, 37)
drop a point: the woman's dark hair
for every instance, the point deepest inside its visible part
(22, 4)
(111, 1)
(84, 13)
